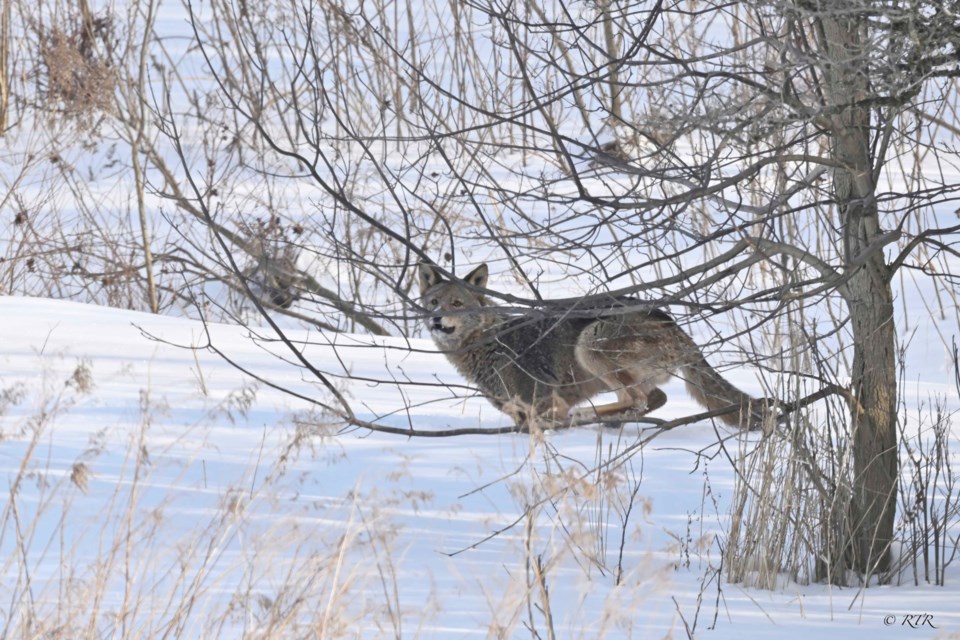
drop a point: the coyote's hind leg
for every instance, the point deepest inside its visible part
(627, 356)
(631, 396)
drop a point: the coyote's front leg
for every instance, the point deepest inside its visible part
(544, 414)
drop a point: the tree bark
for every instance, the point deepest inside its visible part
(868, 294)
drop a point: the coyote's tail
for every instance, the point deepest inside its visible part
(714, 392)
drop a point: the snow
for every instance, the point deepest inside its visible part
(211, 505)
(154, 490)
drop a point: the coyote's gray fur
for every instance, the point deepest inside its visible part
(535, 366)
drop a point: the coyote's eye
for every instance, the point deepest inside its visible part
(457, 304)
(434, 302)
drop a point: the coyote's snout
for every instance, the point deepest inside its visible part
(537, 365)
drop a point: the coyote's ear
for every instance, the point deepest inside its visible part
(429, 276)
(478, 277)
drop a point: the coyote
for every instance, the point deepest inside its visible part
(537, 365)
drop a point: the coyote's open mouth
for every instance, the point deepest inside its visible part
(437, 325)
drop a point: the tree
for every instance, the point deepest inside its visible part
(777, 171)
(774, 164)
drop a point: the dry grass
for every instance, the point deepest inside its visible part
(774, 516)
(156, 559)
(76, 68)
(789, 522)
(150, 562)
(929, 526)
(583, 524)
(125, 541)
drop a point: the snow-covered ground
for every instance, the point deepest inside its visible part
(152, 490)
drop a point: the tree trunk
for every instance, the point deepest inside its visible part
(874, 422)
(868, 294)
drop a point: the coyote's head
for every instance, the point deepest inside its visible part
(455, 306)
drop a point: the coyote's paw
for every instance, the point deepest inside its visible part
(552, 414)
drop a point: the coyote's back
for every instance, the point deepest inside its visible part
(537, 366)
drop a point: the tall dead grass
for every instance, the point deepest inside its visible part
(788, 519)
(125, 541)
(75, 66)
